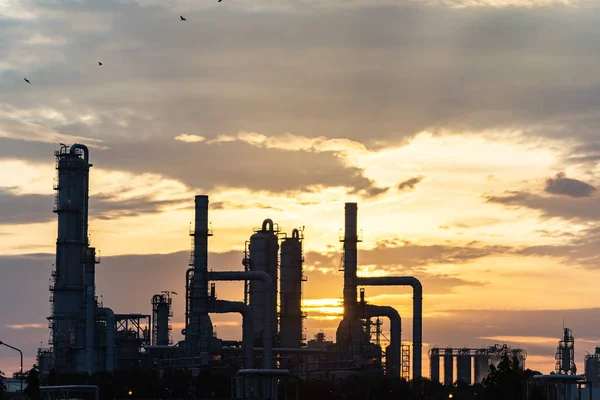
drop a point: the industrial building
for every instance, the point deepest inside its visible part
(470, 363)
(88, 337)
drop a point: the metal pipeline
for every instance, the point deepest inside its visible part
(111, 329)
(90, 317)
(268, 222)
(222, 307)
(395, 335)
(417, 310)
(266, 279)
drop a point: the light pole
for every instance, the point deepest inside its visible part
(21, 353)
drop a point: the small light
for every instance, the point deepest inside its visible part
(449, 396)
(130, 393)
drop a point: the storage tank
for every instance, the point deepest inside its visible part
(290, 304)
(264, 252)
(463, 366)
(434, 365)
(448, 367)
(481, 366)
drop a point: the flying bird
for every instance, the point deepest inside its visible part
(183, 19)
(99, 63)
(219, 1)
(27, 80)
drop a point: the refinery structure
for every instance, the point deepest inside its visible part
(87, 337)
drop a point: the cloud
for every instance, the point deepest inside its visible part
(497, 73)
(20, 208)
(26, 326)
(410, 184)
(560, 184)
(190, 138)
(562, 197)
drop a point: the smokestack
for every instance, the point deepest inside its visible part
(350, 260)
(199, 324)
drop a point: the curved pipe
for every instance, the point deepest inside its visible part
(417, 310)
(268, 222)
(86, 152)
(111, 329)
(223, 306)
(295, 234)
(266, 279)
(393, 359)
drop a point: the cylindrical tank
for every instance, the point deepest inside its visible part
(481, 367)
(463, 366)
(448, 367)
(264, 252)
(162, 324)
(592, 370)
(434, 365)
(290, 314)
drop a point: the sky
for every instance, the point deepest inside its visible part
(466, 131)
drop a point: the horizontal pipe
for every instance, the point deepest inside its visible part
(417, 310)
(395, 335)
(249, 276)
(223, 306)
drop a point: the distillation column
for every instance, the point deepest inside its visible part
(264, 256)
(68, 308)
(290, 315)
(199, 329)
(482, 362)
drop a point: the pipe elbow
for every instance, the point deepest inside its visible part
(268, 223)
(86, 152)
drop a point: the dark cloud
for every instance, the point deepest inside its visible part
(569, 207)
(419, 68)
(34, 208)
(410, 184)
(24, 208)
(560, 184)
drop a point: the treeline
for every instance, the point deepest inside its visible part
(505, 382)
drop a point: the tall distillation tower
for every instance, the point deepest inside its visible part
(349, 335)
(199, 329)
(68, 322)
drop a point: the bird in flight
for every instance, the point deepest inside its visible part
(183, 19)
(219, 1)
(27, 80)
(99, 63)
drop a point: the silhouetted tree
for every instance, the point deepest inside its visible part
(33, 384)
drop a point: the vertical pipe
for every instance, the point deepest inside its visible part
(393, 360)
(222, 306)
(90, 312)
(417, 311)
(268, 294)
(111, 329)
(448, 367)
(350, 260)
(434, 365)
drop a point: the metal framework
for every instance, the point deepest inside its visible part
(565, 354)
(405, 372)
(161, 305)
